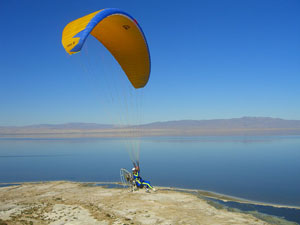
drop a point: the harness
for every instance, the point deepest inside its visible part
(137, 178)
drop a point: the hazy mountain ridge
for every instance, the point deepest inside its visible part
(235, 126)
(63, 126)
(244, 122)
(72, 126)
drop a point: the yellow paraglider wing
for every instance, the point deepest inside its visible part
(120, 34)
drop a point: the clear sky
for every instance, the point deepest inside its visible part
(210, 59)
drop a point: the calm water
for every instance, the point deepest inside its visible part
(265, 169)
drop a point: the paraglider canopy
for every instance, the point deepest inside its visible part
(120, 34)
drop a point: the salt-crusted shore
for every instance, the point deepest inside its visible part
(63, 202)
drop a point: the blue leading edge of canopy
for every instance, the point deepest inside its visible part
(94, 21)
(82, 35)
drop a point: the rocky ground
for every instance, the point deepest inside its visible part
(58, 203)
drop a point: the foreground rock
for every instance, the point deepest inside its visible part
(59, 203)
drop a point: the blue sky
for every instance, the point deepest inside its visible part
(210, 59)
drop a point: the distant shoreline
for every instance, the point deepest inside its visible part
(120, 133)
(218, 127)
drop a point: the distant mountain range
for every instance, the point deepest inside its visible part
(83, 126)
(236, 123)
(235, 126)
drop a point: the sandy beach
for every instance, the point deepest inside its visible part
(63, 202)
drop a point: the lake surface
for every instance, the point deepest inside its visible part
(265, 169)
